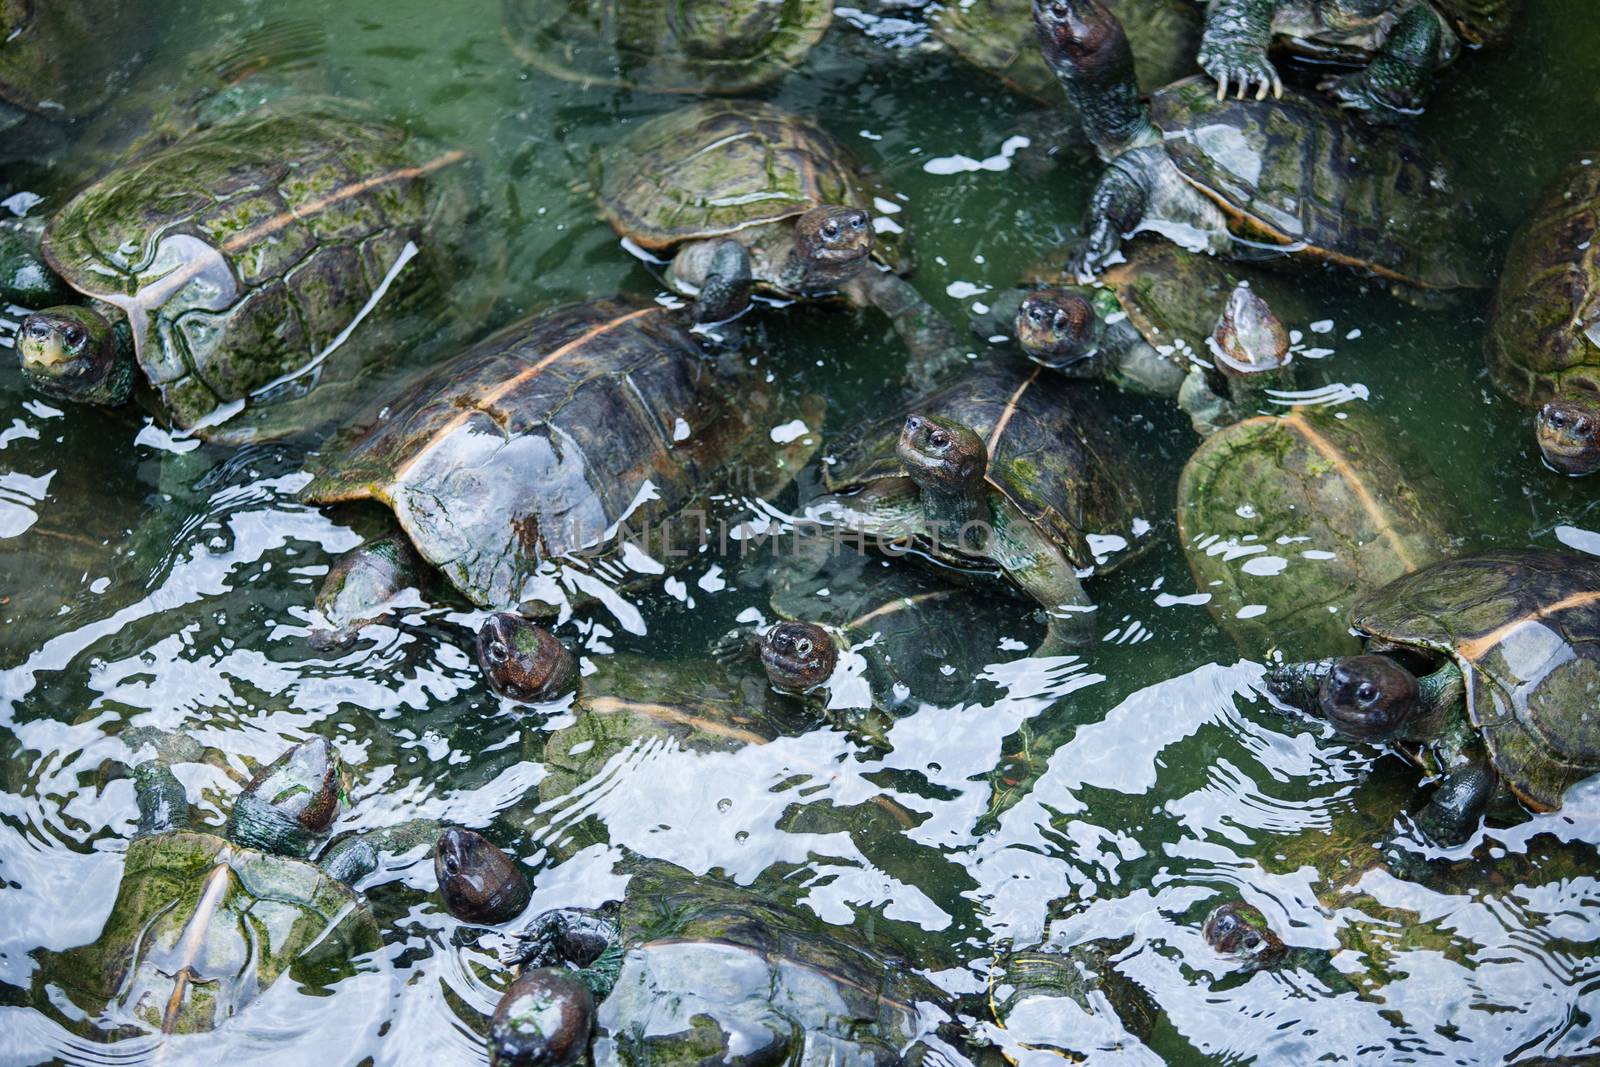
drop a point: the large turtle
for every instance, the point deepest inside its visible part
(782, 188)
(568, 435)
(667, 46)
(240, 267)
(1489, 662)
(205, 921)
(1006, 468)
(1286, 177)
(1544, 341)
(1396, 44)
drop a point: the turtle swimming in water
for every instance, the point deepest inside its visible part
(782, 189)
(667, 46)
(1253, 179)
(234, 271)
(1487, 663)
(1544, 338)
(205, 921)
(1397, 45)
(1006, 468)
(521, 464)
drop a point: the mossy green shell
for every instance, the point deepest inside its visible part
(731, 168)
(201, 926)
(998, 36)
(1052, 454)
(1545, 333)
(1298, 173)
(1288, 520)
(651, 45)
(1524, 626)
(536, 442)
(65, 58)
(245, 253)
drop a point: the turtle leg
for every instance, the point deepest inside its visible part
(1452, 814)
(1041, 570)
(1136, 365)
(352, 858)
(725, 292)
(1233, 48)
(163, 805)
(1116, 207)
(1395, 83)
(1208, 410)
(582, 937)
(932, 344)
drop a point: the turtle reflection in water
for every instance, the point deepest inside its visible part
(1489, 664)
(204, 922)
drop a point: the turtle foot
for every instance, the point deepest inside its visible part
(1377, 103)
(1244, 70)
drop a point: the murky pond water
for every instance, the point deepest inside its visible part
(1117, 793)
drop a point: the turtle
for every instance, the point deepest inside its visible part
(1004, 468)
(1034, 992)
(580, 432)
(1486, 664)
(1287, 519)
(363, 586)
(1289, 177)
(186, 946)
(477, 882)
(1397, 45)
(1544, 337)
(667, 46)
(783, 189)
(236, 269)
(1238, 930)
(993, 35)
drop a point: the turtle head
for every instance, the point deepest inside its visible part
(1250, 338)
(524, 661)
(941, 453)
(833, 242)
(1240, 930)
(73, 353)
(1081, 39)
(1369, 698)
(291, 804)
(544, 1019)
(1058, 328)
(479, 883)
(1568, 429)
(798, 656)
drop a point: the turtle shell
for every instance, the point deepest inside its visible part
(666, 46)
(249, 253)
(557, 437)
(65, 59)
(1524, 626)
(720, 168)
(998, 36)
(1300, 174)
(201, 926)
(1545, 332)
(1287, 520)
(1052, 454)
(1482, 22)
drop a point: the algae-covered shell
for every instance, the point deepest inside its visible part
(1524, 627)
(1287, 520)
(667, 46)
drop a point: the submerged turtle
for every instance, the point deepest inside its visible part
(667, 46)
(204, 922)
(1034, 992)
(1282, 177)
(1397, 44)
(1544, 343)
(994, 35)
(1487, 662)
(781, 188)
(363, 586)
(236, 269)
(568, 435)
(1288, 519)
(1007, 468)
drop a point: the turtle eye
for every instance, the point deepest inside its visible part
(803, 646)
(74, 336)
(1366, 692)
(451, 866)
(939, 438)
(859, 222)
(1062, 320)
(39, 331)
(497, 652)
(1226, 924)
(1557, 418)
(1252, 942)
(830, 230)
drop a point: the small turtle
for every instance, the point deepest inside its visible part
(235, 270)
(1396, 44)
(186, 944)
(1488, 664)
(667, 46)
(1240, 931)
(1033, 992)
(1007, 468)
(1544, 339)
(478, 882)
(1290, 177)
(561, 440)
(782, 189)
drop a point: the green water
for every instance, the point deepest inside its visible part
(1120, 793)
